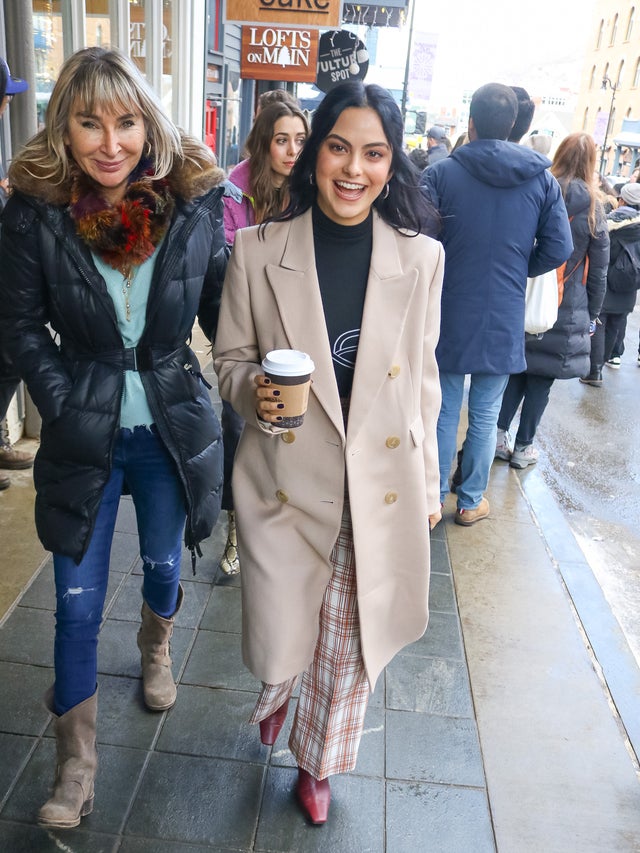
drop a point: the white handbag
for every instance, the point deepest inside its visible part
(541, 303)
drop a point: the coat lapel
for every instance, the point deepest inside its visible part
(389, 293)
(294, 282)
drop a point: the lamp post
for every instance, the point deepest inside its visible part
(613, 86)
(407, 67)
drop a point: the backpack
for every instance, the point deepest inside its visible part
(623, 276)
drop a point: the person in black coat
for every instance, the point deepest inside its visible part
(10, 457)
(563, 351)
(623, 278)
(114, 237)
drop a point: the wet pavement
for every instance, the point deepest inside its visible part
(512, 725)
(589, 442)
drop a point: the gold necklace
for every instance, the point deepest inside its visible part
(127, 280)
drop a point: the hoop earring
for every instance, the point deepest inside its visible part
(385, 192)
(147, 149)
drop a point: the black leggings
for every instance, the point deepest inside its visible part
(533, 392)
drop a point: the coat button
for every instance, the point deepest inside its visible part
(288, 437)
(394, 370)
(391, 497)
(392, 442)
(283, 497)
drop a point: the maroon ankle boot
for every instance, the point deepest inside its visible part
(270, 726)
(314, 796)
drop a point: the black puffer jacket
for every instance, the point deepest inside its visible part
(47, 276)
(563, 351)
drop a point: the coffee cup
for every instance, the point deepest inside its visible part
(290, 373)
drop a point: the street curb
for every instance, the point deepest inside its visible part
(613, 657)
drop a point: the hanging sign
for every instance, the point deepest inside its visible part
(272, 53)
(341, 56)
(388, 14)
(319, 13)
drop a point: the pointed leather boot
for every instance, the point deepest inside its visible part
(270, 726)
(77, 763)
(158, 685)
(314, 797)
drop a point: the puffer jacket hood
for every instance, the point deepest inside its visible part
(238, 208)
(576, 197)
(625, 221)
(240, 176)
(500, 164)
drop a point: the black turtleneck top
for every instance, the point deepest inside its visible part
(343, 257)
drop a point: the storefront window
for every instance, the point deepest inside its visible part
(47, 42)
(98, 25)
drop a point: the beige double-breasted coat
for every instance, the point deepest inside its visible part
(288, 486)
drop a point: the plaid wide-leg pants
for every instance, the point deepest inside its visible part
(334, 691)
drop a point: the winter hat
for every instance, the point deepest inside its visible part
(631, 193)
(436, 132)
(10, 85)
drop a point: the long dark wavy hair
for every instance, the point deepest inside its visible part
(268, 199)
(405, 207)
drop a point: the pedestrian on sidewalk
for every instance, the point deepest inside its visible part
(114, 236)
(333, 516)
(622, 282)
(563, 351)
(436, 147)
(503, 218)
(10, 458)
(275, 140)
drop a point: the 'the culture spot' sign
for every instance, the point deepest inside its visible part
(319, 13)
(271, 53)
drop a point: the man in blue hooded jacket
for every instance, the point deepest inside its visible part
(503, 219)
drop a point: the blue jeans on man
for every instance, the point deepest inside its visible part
(140, 458)
(485, 399)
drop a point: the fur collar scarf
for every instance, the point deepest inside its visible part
(126, 234)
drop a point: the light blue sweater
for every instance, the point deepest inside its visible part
(135, 410)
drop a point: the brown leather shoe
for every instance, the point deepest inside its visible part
(5, 482)
(270, 726)
(467, 517)
(314, 797)
(14, 460)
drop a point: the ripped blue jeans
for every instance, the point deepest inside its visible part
(140, 458)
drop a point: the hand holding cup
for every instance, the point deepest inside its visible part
(282, 394)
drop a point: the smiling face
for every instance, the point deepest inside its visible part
(289, 135)
(107, 146)
(353, 166)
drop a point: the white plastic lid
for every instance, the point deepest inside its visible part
(288, 362)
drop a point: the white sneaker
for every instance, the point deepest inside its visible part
(614, 362)
(504, 448)
(523, 456)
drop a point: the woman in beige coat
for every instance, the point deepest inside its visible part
(334, 516)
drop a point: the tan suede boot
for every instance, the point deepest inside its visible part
(77, 763)
(153, 641)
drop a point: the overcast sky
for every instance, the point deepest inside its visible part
(483, 41)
